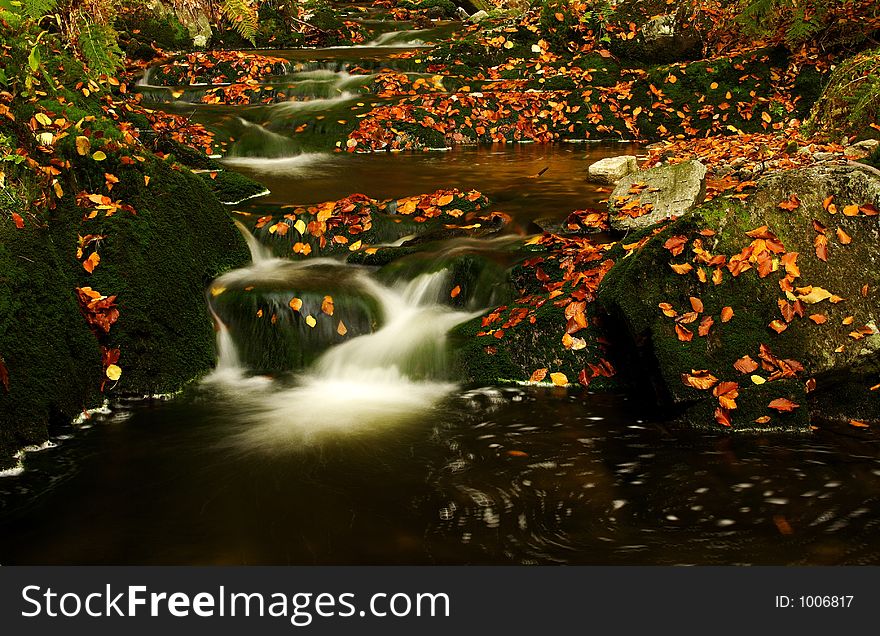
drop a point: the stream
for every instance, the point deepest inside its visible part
(366, 449)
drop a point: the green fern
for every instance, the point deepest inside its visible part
(99, 48)
(244, 18)
(36, 9)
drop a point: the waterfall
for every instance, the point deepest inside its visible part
(259, 252)
(379, 379)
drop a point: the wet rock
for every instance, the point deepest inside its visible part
(806, 318)
(610, 170)
(862, 149)
(461, 13)
(435, 13)
(645, 198)
(479, 16)
(274, 336)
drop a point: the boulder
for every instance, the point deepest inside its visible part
(645, 198)
(610, 170)
(750, 303)
(479, 16)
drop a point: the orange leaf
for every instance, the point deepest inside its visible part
(559, 379)
(726, 314)
(296, 304)
(819, 319)
(783, 405)
(327, 305)
(91, 262)
(697, 304)
(702, 380)
(858, 424)
(843, 237)
(685, 335)
(538, 375)
(19, 222)
(455, 292)
(745, 365)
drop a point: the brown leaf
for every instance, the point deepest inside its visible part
(819, 319)
(705, 325)
(684, 334)
(538, 375)
(843, 237)
(4, 374)
(327, 305)
(697, 304)
(745, 365)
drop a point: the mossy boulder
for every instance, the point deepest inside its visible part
(157, 261)
(850, 102)
(734, 279)
(52, 359)
(282, 315)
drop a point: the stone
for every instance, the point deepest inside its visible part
(479, 16)
(461, 14)
(806, 333)
(610, 170)
(667, 191)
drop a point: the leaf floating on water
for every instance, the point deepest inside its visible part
(783, 405)
(341, 328)
(327, 305)
(295, 304)
(216, 291)
(559, 379)
(113, 372)
(310, 321)
(517, 453)
(538, 375)
(858, 424)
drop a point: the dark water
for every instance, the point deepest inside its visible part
(491, 476)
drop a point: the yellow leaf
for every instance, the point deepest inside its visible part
(757, 379)
(83, 145)
(354, 247)
(113, 372)
(299, 226)
(341, 328)
(310, 321)
(99, 155)
(559, 379)
(216, 291)
(43, 119)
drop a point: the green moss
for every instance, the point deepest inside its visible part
(850, 103)
(158, 263)
(53, 360)
(232, 187)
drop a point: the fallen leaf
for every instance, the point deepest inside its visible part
(783, 405)
(745, 365)
(684, 334)
(843, 237)
(327, 305)
(113, 372)
(310, 321)
(726, 314)
(697, 304)
(559, 379)
(341, 329)
(701, 380)
(295, 304)
(538, 375)
(455, 292)
(858, 424)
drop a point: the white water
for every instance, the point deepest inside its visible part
(295, 164)
(366, 383)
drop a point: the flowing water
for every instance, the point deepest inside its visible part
(351, 440)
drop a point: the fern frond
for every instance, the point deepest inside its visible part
(244, 18)
(99, 48)
(36, 9)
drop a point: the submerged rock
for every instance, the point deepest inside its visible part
(747, 312)
(612, 169)
(644, 198)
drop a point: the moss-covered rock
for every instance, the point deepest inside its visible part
(231, 187)
(850, 103)
(52, 359)
(748, 280)
(157, 261)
